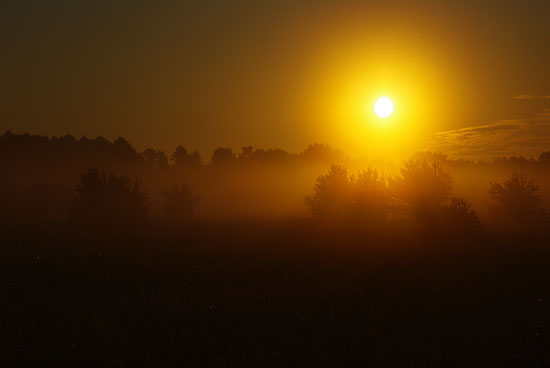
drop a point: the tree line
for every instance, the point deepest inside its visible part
(35, 149)
(16, 148)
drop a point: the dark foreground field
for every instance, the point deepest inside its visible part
(270, 294)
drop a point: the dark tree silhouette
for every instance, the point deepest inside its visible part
(458, 214)
(179, 203)
(424, 186)
(431, 156)
(273, 155)
(222, 156)
(124, 150)
(516, 202)
(370, 195)
(544, 158)
(322, 152)
(336, 194)
(156, 159)
(332, 193)
(108, 201)
(182, 158)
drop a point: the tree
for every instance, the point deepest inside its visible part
(544, 158)
(223, 155)
(156, 159)
(179, 203)
(424, 186)
(247, 153)
(322, 152)
(270, 156)
(108, 200)
(370, 196)
(331, 193)
(123, 150)
(336, 194)
(516, 204)
(458, 214)
(184, 159)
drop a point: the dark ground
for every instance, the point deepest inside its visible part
(273, 294)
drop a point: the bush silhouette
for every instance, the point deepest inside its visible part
(179, 203)
(108, 201)
(516, 204)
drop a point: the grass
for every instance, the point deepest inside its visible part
(272, 293)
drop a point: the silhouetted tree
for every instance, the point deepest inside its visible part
(458, 214)
(336, 194)
(247, 153)
(516, 203)
(544, 158)
(513, 162)
(370, 195)
(108, 200)
(223, 155)
(156, 159)
(424, 186)
(431, 156)
(182, 158)
(322, 152)
(123, 150)
(179, 203)
(273, 155)
(332, 193)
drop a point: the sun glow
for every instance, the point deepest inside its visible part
(383, 107)
(352, 85)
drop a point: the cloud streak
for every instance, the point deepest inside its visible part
(527, 137)
(531, 97)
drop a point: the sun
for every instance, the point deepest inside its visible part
(383, 107)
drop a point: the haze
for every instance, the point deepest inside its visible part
(272, 73)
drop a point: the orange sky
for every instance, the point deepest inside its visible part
(274, 73)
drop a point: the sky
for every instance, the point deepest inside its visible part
(281, 73)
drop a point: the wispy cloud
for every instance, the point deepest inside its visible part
(527, 137)
(531, 97)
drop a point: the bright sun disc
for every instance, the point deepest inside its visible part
(383, 107)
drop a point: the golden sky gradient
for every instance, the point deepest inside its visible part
(277, 73)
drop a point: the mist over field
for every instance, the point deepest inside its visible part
(41, 174)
